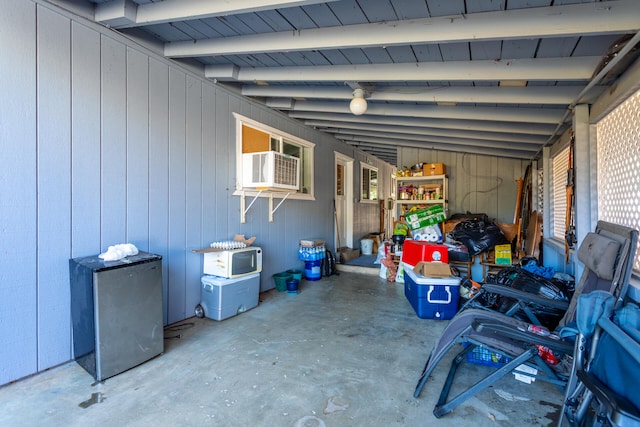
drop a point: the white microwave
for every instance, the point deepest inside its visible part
(233, 262)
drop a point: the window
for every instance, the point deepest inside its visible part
(340, 180)
(618, 140)
(369, 183)
(560, 164)
(252, 137)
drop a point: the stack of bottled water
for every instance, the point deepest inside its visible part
(311, 254)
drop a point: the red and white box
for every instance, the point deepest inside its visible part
(415, 251)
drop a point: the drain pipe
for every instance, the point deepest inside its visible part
(594, 81)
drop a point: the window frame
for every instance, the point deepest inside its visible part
(281, 138)
(370, 168)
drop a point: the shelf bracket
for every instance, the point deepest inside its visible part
(243, 216)
(244, 208)
(271, 209)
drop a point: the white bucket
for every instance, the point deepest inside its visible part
(366, 246)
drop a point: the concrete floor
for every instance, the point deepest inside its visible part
(346, 351)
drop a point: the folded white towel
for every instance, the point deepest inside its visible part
(117, 252)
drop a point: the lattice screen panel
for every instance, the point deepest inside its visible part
(560, 164)
(540, 182)
(618, 136)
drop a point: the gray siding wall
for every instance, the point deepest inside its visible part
(366, 216)
(477, 183)
(104, 142)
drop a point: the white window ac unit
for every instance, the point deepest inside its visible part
(270, 169)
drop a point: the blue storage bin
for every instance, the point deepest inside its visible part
(483, 356)
(312, 270)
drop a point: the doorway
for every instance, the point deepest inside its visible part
(343, 197)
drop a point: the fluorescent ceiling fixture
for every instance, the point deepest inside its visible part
(513, 83)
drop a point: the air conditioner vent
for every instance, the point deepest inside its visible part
(270, 169)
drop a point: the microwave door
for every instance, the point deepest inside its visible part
(243, 262)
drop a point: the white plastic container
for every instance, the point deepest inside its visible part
(222, 298)
(366, 246)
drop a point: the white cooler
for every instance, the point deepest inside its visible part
(222, 298)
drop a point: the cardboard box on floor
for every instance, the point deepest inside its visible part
(346, 254)
(437, 270)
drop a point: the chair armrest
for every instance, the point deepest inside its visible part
(621, 336)
(620, 409)
(510, 331)
(522, 296)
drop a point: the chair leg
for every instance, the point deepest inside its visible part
(422, 380)
(455, 363)
(430, 366)
(443, 408)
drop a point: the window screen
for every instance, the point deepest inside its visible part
(618, 138)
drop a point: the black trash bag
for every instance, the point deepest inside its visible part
(457, 252)
(521, 279)
(464, 216)
(478, 235)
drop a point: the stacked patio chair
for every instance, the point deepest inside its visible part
(602, 390)
(607, 255)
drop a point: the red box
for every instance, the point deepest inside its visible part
(414, 251)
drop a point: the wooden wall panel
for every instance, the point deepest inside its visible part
(85, 141)
(18, 315)
(113, 148)
(54, 187)
(177, 199)
(367, 215)
(137, 152)
(209, 173)
(508, 171)
(159, 170)
(224, 133)
(489, 183)
(477, 184)
(146, 152)
(193, 192)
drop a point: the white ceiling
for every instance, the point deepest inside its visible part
(495, 77)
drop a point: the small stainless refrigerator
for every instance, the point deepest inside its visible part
(116, 312)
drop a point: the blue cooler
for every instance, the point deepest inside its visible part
(432, 298)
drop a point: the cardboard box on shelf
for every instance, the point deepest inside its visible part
(424, 217)
(432, 187)
(311, 243)
(429, 169)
